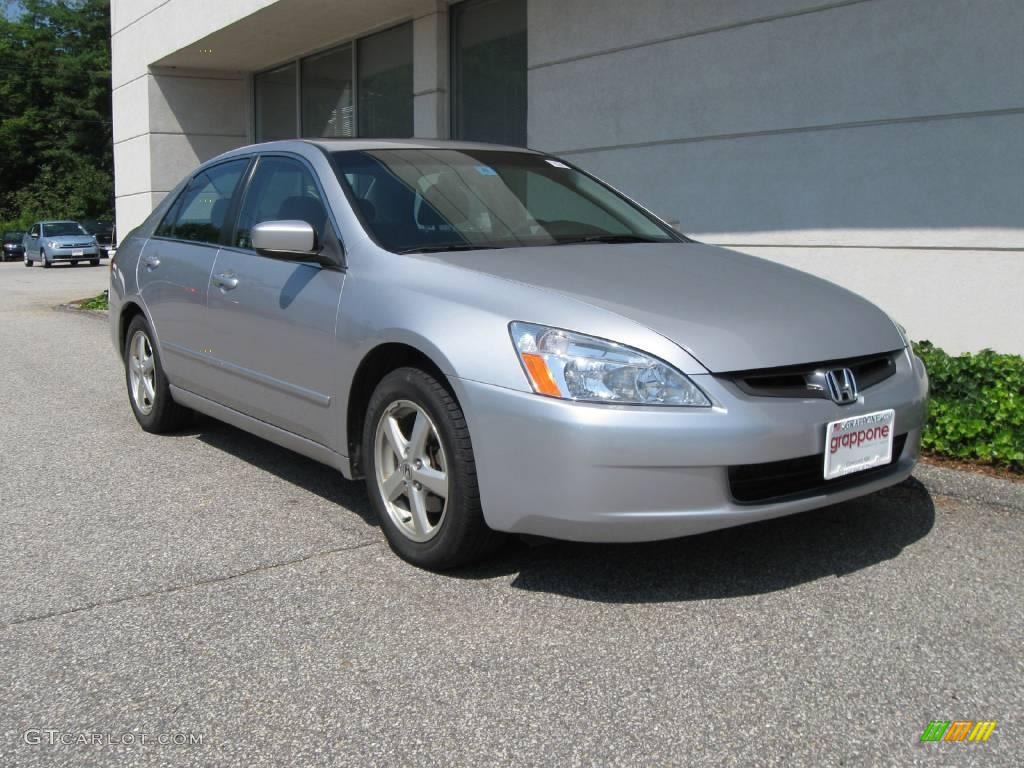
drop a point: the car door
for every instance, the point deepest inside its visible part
(272, 320)
(174, 272)
(33, 241)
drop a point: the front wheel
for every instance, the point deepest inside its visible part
(28, 261)
(421, 474)
(94, 262)
(148, 390)
(46, 262)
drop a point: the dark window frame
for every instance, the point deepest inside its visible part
(453, 71)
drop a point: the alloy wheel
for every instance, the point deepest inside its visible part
(142, 372)
(411, 470)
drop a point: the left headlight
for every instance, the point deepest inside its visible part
(573, 366)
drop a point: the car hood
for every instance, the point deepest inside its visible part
(730, 311)
(68, 239)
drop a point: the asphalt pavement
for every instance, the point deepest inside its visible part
(237, 601)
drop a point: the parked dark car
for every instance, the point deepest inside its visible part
(105, 233)
(13, 248)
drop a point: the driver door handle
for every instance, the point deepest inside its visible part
(226, 280)
(152, 262)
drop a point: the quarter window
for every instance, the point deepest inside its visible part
(281, 189)
(200, 214)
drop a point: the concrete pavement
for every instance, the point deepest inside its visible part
(209, 585)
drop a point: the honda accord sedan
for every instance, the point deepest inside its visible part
(500, 343)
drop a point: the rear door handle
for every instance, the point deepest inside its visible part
(152, 262)
(226, 281)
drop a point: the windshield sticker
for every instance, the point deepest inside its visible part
(486, 170)
(558, 164)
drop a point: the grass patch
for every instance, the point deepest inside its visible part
(96, 302)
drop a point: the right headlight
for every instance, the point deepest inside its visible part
(573, 366)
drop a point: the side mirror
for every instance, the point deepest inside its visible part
(291, 239)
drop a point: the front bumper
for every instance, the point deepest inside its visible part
(67, 254)
(587, 472)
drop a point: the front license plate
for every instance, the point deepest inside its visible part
(78, 252)
(858, 443)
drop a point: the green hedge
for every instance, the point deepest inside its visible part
(977, 406)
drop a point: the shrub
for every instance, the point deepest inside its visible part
(977, 406)
(96, 302)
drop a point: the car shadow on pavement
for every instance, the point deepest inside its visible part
(291, 467)
(751, 559)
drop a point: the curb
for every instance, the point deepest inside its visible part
(98, 314)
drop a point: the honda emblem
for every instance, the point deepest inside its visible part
(842, 386)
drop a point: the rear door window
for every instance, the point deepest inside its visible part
(200, 214)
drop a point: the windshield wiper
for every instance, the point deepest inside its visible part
(449, 247)
(609, 239)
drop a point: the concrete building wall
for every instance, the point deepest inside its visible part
(877, 143)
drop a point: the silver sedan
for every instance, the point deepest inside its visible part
(501, 343)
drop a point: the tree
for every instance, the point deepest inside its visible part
(56, 147)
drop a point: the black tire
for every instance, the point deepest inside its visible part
(28, 262)
(94, 262)
(463, 536)
(46, 262)
(166, 415)
(74, 263)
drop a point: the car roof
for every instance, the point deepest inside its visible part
(341, 145)
(59, 221)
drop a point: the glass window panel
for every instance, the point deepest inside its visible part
(281, 189)
(327, 109)
(489, 71)
(275, 104)
(438, 198)
(200, 214)
(385, 83)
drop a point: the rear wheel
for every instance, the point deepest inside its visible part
(421, 475)
(148, 390)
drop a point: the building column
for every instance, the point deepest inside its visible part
(430, 73)
(166, 122)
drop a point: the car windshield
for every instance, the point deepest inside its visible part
(13, 237)
(446, 199)
(58, 228)
(97, 227)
